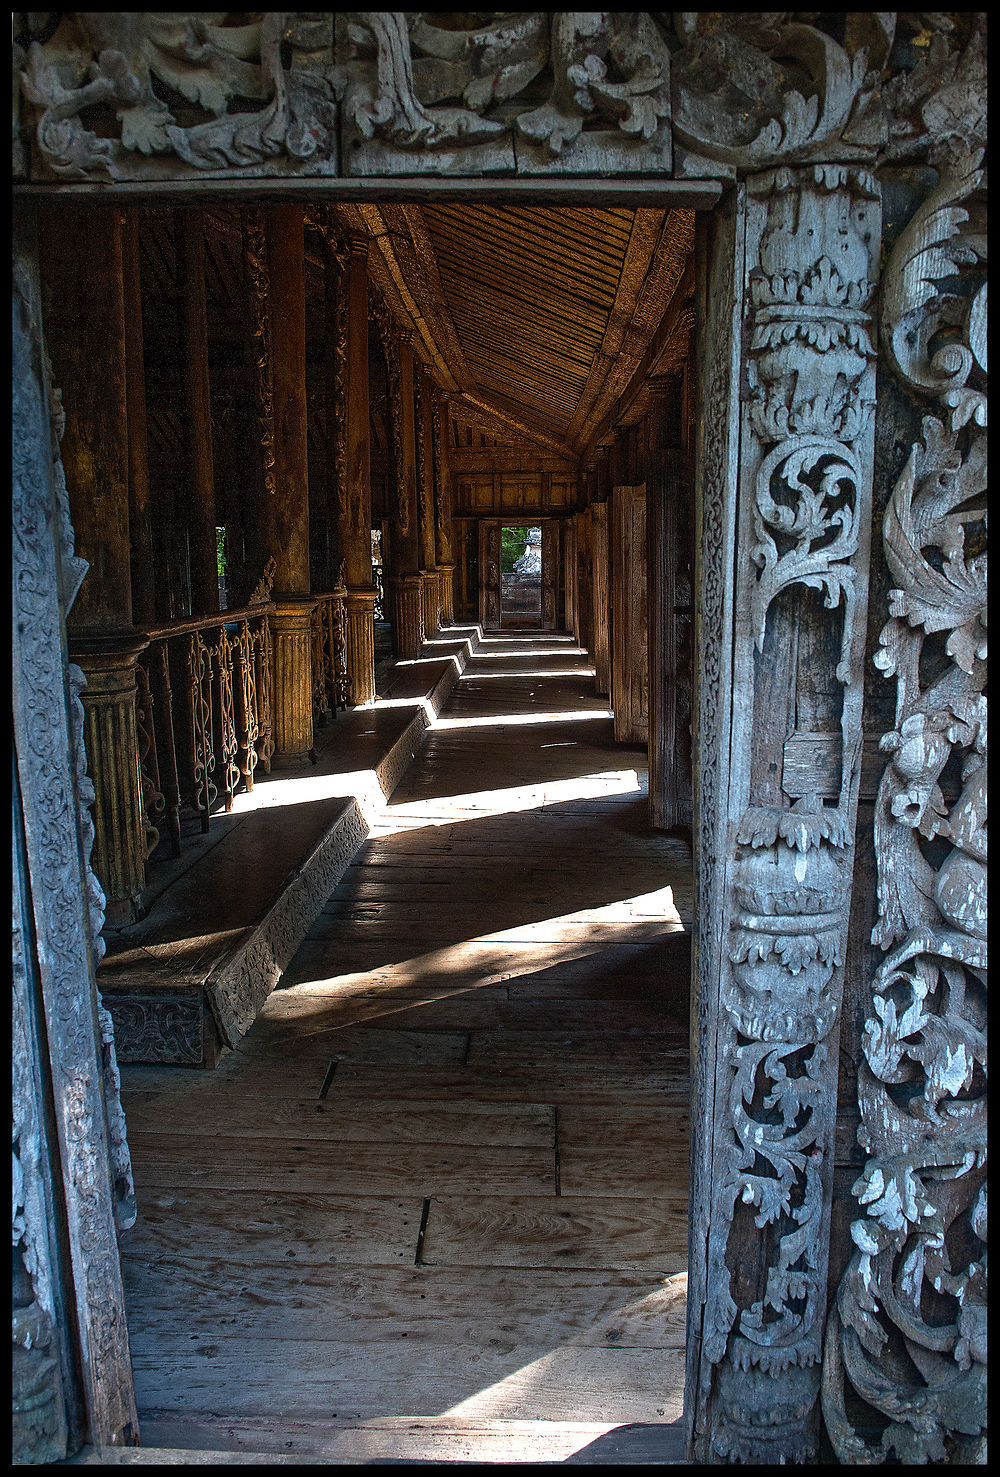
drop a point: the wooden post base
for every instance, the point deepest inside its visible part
(407, 616)
(430, 602)
(112, 745)
(360, 635)
(292, 684)
(446, 589)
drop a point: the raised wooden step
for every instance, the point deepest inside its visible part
(226, 919)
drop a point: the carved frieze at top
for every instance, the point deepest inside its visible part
(153, 95)
(699, 94)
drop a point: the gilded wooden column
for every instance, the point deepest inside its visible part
(287, 509)
(82, 264)
(201, 470)
(355, 510)
(440, 430)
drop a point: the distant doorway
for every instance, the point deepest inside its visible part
(521, 576)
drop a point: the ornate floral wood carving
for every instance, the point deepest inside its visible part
(812, 249)
(413, 84)
(123, 65)
(61, 1008)
(389, 337)
(255, 256)
(905, 1363)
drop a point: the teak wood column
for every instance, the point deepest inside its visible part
(584, 582)
(664, 491)
(139, 506)
(82, 265)
(355, 501)
(600, 576)
(407, 582)
(201, 471)
(629, 656)
(287, 511)
(441, 420)
(425, 507)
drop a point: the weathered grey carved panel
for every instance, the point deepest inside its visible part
(905, 1360)
(66, 905)
(804, 512)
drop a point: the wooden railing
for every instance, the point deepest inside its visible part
(204, 716)
(329, 655)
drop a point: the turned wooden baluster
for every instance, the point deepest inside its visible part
(168, 756)
(230, 774)
(262, 649)
(149, 771)
(247, 712)
(199, 665)
(319, 697)
(338, 653)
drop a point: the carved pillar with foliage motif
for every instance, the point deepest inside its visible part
(425, 503)
(441, 431)
(802, 264)
(407, 582)
(356, 507)
(286, 510)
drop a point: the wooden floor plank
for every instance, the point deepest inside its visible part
(331, 1381)
(332, 1120)
(426, 1304)
(557, 1230)
(225, 1162)
(237, 1227)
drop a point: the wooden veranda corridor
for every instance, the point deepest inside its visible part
(435, 1207)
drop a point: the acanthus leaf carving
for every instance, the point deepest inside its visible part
(907, 1338)
(115, 59)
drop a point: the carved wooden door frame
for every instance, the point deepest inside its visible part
(787, 272)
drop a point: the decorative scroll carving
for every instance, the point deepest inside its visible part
(255, 256)
(261, 593)
(807, 453)
(764, 88)
(66, 911)
(389, 336)
(905, 1360)
(120, 65)
(607, 69)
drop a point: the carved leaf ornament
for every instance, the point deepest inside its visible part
(906, 1341)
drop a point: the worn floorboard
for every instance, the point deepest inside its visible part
(435, 1207)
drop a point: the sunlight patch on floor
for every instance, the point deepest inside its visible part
(443, 810)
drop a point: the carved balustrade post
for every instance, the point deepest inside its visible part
(85, 328)
(440, 427)
(286, 511)
(786, 503)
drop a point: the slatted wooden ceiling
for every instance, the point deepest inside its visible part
(530, 291)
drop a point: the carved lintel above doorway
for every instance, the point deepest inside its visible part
(168, 96)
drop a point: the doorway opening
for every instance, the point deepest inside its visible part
(521, 576)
